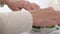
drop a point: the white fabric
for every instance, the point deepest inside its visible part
(55, 4)
(56, 32)
(16, 22)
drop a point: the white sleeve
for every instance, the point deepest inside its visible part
(17, 22)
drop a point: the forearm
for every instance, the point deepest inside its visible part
(46, 17)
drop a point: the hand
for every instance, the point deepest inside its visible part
(45, 17)
(18, 5)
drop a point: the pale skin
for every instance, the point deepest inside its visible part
(41, 17)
